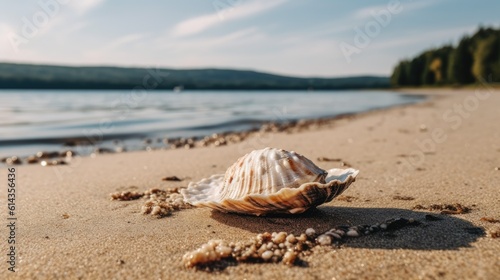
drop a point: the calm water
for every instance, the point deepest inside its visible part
(43, 120)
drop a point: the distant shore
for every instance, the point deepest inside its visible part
(28, 76)
(413, 160)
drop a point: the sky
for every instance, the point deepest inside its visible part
(292, 37)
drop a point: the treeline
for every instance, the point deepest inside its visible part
(474, 59)
(26, 76)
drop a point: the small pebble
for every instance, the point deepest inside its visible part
(324, 240)
(291, 238)
(310, 232)
(172, 178)
(280, 247)
(267, 255)
(289, 258)
(280, 237)
(352, 233)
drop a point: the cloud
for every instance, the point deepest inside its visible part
(201, 23)
(84, 6)
(365, 13)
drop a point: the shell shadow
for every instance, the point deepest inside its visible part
(447, 233)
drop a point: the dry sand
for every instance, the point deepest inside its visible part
(69, 228)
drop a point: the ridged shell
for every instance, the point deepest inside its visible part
(270, 181)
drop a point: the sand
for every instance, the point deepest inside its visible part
(68, 227)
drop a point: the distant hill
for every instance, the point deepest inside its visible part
(26, 76)
(474, 59)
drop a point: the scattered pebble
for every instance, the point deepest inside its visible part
(172, 178)
(497, 168)
(214, 140)
(52, 162)
(13, 160)
(102, 150)
(329, 159)
(402, 197)
(422, 128)
(161, 203)
(490, 220)
(65, 216)
(280, 246)
(125, 196)
(346, 164)
(47, 155)
(67, 153)
(494, 233)
(32, 159)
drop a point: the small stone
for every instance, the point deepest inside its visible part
(280, 237)
(291, 238)
(383, 226)
(172, 178)
(324, 240)
(223, 251)
(334, 234)
(310, 232)
(289, 258)
(302, 237)
(352, 233)
(266, 255)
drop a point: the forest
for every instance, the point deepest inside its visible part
(475, 59)
(30, 76)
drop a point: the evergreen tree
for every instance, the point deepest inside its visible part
(460, 64)
(486, 59)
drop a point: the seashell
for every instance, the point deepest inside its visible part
(269, 181)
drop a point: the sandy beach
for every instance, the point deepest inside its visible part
(445, 150)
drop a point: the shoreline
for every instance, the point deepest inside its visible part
(84, 146)
(69, 227)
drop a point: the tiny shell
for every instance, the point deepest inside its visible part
(270, 181)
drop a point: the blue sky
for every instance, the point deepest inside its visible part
(294, 37)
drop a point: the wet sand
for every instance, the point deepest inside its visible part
(408, 156)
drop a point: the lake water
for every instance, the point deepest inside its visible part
(31, 121)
